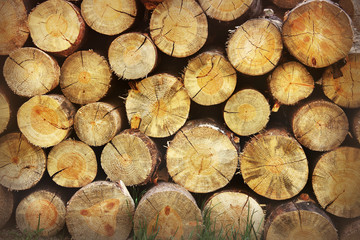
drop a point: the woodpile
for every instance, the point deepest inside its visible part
(181, 119)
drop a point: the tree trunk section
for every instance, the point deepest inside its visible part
(320, 125)
(179, 28)
(235, 212)
(97, 123)
(267, 161)
(318, 33)
(132, 157)
(56, 26)
(336, 181)
(72, 164)
(22, 164)
(100, 210)
(290, 83)
(5, 111)
(351, 231)
(247, 112)
(6, 205)
(202, 156)
(168, 210)
(255, 47)
(286, 3)
(209, 78)
(46, 120)
(355, 125)
(299, 219)
(132, 55)
(29, 71)
(352, 7)
(85, 77)
(14, 30)
(109, 17)
(160, 103)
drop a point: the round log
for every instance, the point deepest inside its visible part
(350, 231)
(56, 26)
(209, 78)
(286, 3)
(6, 205)
(355, 125)
(267, 162)
(14, 28)
(202, 157)
(43, 210)
(179, 28)
(290, 83)
(169, 211)
(5, 111)
(246, 112)
(85, 77)
(160, 103)
(336, 182)
(22, 164)
(320, 125)
(317, 33)
(46, 120)
(29, 71)
(100, 210)
(109, 17)
(132, 55)
(132, 157)
(72, 164)
(97, 123)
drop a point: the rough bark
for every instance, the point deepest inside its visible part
(350, 231)
(286, 3)
(6, 205)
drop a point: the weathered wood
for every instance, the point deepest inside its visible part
(202, 157)
(320, 125)
(286, 3)
(72, 164)
(179, 28)
(100, 210)
(132, 157)
(352, 7)
(56, 26)
(350, 231)
(247, 112)
(355, 125)
(317, 33)
(274, 165)
(85, 77)
(6, 205)
(22, 164)
(29, 71)
(209, 78)
(170, 211)
(5, 111)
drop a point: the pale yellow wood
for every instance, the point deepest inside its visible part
(5, 111)
(109, 17)
(179, 28)
(6, 205)
(29, 71)
(22, 164)
(209, 78)
(72, 164)
(225, 10)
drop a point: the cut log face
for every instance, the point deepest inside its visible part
(299, 220)
(235, 212)
(179, 28)
(201, 157)
(13, 22)
(318, 33)
(336, 182)
(132, 157)
(132, 55)
(109, 17)
(30, 71)
(97, 123)
(351, 231)
(320, 125)
(170, 211)
(161, 104)
(72, 164)
(6, 205)
(255, 47)
(41, 210)
(247, 112)
(100, 210)
(290, 82)
(209, 78)
(286, 3)
(268, 160)
(85, 77)
(22, 164)
(343, 87)
(56, 26)
(4, 111)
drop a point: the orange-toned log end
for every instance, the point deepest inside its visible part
(151, 4)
